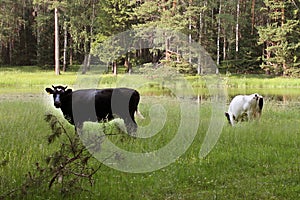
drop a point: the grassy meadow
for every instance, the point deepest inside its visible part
(255, 160)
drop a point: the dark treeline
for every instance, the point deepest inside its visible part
(243, 36)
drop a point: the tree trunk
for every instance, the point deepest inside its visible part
(190, 34)
(127, 63)
(167, 45)
(10, 51)
(71, 51)
(85, 63)
(164, 5)
(65, 46)
(219, 34)
(38, 35)
(90, 38)
(252, 17)
(224, 47)
(284, 64)
(89, 62)
(200, 27)
(57, 70)
(237, 27)
(282, 15)
(199, 67)
(114, 68)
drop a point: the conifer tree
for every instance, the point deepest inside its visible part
(279, 37)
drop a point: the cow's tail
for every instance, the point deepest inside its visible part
(139, 114)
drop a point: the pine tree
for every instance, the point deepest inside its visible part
(17, 46)
(280, 37)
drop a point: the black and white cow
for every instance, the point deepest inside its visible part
(97, 105)
(250, 105)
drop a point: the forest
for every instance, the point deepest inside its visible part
(241, 36)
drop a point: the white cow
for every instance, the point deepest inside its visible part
(251, 105)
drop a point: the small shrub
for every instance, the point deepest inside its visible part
(67, 169)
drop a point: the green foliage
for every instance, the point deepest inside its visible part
(280, 37)
(16, 39)
(70, 163)
(184, 68)
(64, 170)
(268, 31)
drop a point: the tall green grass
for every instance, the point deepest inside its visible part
(255, 160)
(22, 137)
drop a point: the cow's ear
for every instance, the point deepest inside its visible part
(68, 91)
(49, 91)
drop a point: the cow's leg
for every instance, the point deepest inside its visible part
(78, 127)
(130, 123)
(131, 127)
(128, 117)
(258, 114)
(250, 115)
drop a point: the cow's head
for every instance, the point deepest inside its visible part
(230, 121)
(58, 92)
(259, 100)
(256, 96)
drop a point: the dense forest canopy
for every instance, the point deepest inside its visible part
(243, 36)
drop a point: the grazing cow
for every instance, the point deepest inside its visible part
(96, 105)
(251, 105)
